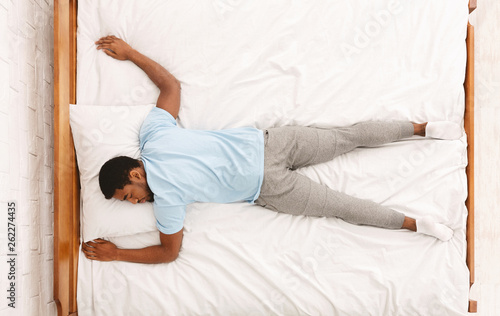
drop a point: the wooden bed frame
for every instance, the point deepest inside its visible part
(67, 184)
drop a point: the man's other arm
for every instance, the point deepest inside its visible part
(170, 88)
(103, 250)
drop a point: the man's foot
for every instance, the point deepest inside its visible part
(419, 129)
(443, 130)
(428, 227)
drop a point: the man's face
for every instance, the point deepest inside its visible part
(136, 192)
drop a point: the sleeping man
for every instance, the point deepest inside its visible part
(180, 166)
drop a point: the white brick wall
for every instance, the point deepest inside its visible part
(26, 152)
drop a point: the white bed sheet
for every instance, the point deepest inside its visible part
(322, 63)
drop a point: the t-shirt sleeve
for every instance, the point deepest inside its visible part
(156, 119)
(161, 116)
(169, 219)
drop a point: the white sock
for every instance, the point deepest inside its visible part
(443, 130)
(427, 226)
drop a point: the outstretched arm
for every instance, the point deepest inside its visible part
(103, 250)
(170, 87)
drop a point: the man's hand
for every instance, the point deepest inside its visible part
(114, 47)
(170, 88)
(100, 249)
(103, 250)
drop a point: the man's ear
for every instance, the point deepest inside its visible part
(135, 174)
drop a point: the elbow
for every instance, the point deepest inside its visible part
(173, 257)
(170, 85)
(170, 256)
(177, 84)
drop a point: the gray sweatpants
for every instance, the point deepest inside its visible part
(291, 147)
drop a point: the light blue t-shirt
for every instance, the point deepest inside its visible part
(185, 166)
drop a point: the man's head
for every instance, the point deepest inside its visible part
(124, 178)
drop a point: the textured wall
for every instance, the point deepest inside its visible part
(26, 153)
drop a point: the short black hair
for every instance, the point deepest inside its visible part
(114, 174)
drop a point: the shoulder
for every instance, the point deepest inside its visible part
(169, 219)
(157, 120)
(159, 115)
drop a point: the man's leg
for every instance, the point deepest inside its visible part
(304, 146)
(284, 190)
(295, 194)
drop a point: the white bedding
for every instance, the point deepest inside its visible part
(314, 63)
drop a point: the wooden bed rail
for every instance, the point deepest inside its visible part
(469, 129)
(66, 182)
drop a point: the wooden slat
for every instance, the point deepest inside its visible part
(469, 128)
(61, 166)
(75, 232)
(66, 193)
(472, 306)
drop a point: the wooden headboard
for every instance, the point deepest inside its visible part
(66, 181)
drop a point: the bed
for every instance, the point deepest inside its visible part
(270, 64)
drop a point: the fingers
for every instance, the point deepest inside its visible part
(98, 249)
(86, 245)
(107, 50)
(101, 46)
(107, 39)
(110, 53)
(104, 42)
(88, 251)
(100, 241)
(91, 248)
(114, 47)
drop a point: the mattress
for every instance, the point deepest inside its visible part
(285, 62)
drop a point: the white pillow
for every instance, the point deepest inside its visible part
(101, 133)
